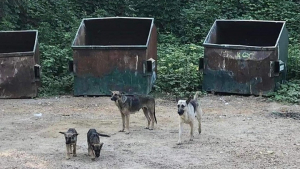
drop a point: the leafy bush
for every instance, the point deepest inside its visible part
(178, 65)
(56, 79)
(289, 92)
(293, 64)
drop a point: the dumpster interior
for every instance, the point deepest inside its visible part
(11, 42)
(117, 31)
(248, 33)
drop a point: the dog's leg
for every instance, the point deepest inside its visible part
(192, 131)
(147, 118)
(199, 124)
(101, 144)
(123, 122)
(68, 151)
(89, 149)
(74, 150)
(199, 117)
(93, 154)
(152, 120)
(180, 132)
(127, 116)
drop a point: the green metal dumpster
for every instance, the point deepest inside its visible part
(245, 56)
(114, 53)
(19, 64)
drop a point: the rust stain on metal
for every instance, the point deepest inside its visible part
(112, 53)
(18, 58)
(100, 62)
(245, 57)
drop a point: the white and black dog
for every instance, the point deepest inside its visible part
(188, 111)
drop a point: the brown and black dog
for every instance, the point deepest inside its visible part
(129, 104)
(71, 140)
(94, 144)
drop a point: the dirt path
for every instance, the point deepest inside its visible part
(237, 132)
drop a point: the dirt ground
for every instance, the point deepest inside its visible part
(237, 132)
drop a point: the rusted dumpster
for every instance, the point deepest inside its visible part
(19, 64)
(245, 56)
(114, 53)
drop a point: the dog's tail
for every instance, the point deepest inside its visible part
(196, 95)
(103, 135)
(154, 113)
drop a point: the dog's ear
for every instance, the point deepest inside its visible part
(76, 134)
(176, 99)
(188, 100)
(122, 92)
(123, 98)
(62, 132)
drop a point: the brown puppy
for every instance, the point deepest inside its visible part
(71, 140)
(94, 144)
(129, 104)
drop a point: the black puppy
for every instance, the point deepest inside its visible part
(94, 145)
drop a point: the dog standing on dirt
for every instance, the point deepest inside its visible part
(94, 144)
(189, 110)
(71, 140)
(131, 104)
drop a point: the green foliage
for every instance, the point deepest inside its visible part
(55, 76)
(289, 92)
(178, 72)
(294, 62)
(182, 27)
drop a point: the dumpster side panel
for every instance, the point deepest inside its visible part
(283, 44)
(237, 71)
(99, 71)
(17, 77)
(152, 53)
(81, 35)
(152, 46)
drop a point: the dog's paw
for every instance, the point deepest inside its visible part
(121, 130)
(150, 128)
(67, 158)
(179, 142)
(127, 132)
(191, 139)
(74, 155)
(146, 127)
(93, 159)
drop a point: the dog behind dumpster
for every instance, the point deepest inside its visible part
(94, 144)
(188, 111)
(71, 140)
(131, 104)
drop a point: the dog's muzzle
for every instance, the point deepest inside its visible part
(113, 98)
(180, 112)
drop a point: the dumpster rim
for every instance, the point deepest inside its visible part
(231, 46)
(112, 46)
(16, 54)
(19, 54)
(243, 47)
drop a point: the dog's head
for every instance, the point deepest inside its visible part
(70, 137)
(117, 95)
(94, 141)
(182, 105)
(97, 149)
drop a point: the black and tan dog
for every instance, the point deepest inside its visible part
(133, 103)
(188, 111)
(71, 140)
(94, 144)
